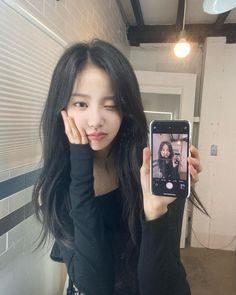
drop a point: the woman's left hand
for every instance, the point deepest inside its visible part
(195, 166)
(155, 206)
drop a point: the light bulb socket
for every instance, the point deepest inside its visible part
(182, 35)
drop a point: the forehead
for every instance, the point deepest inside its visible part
(92, 78)
(165, 146)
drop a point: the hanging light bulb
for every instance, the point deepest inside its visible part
(182, 48)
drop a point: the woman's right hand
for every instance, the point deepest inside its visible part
(175, 161)
(75, 135)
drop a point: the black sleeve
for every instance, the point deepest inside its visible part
(175, 172)
(90, 262)
(55, 254)
(160, 271)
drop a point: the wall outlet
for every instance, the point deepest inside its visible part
(213, 150)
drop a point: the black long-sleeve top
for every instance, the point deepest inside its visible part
(167, 169)
(97, 262)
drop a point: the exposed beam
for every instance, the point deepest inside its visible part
(137, 13)
(180, 15)
(221, 19)
(168, 34)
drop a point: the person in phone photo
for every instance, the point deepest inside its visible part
(168, 162)
(93, 194)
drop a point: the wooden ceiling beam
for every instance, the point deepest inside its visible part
(137, 13)
(180, 15)
(168, 33)
(221, 19)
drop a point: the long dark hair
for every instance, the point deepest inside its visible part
(169, 147)
(51, 192)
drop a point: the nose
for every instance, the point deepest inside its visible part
(95, 119)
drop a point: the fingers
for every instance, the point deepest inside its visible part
(67, 127)
(195, 163)
(195, 166)
(74, 135)
(83, 135)
(74, 131)
(145, 169)
(194, 152)
(194, 174)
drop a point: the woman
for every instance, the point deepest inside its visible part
(167, 162)
(93, 193)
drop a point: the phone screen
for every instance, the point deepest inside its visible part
(170, 151)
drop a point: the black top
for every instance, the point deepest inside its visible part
(98, 264)
(167, 169)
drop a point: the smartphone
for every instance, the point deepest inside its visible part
(170, 144)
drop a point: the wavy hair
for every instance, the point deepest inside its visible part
(51, 192)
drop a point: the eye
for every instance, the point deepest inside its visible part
(80, 104)
(110, 107)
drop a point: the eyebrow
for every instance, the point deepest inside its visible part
(107, 97)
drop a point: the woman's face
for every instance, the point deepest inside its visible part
(92, 107)
(165, 153)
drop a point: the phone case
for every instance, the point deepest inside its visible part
(151, 158)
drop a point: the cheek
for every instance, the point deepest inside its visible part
(70, 112)
(117, 122)
(78, 119)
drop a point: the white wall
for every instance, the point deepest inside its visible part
(217, 126)
(21, 270)
(160, 58)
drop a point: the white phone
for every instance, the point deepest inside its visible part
(170, 144)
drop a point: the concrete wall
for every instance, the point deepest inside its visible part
(217, 127)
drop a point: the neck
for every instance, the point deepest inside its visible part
(104, 171)
(100, 158)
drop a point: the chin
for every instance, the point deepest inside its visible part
(99, 146)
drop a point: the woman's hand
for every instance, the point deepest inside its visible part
(154, 206)
(175, 161)
(75, 135)
(195, 166)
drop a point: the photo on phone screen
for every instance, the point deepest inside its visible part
(170, 150)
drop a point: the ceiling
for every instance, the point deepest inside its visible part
(160, 21)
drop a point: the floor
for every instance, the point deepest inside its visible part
(210, 272)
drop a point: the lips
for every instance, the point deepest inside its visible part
(97, 135)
